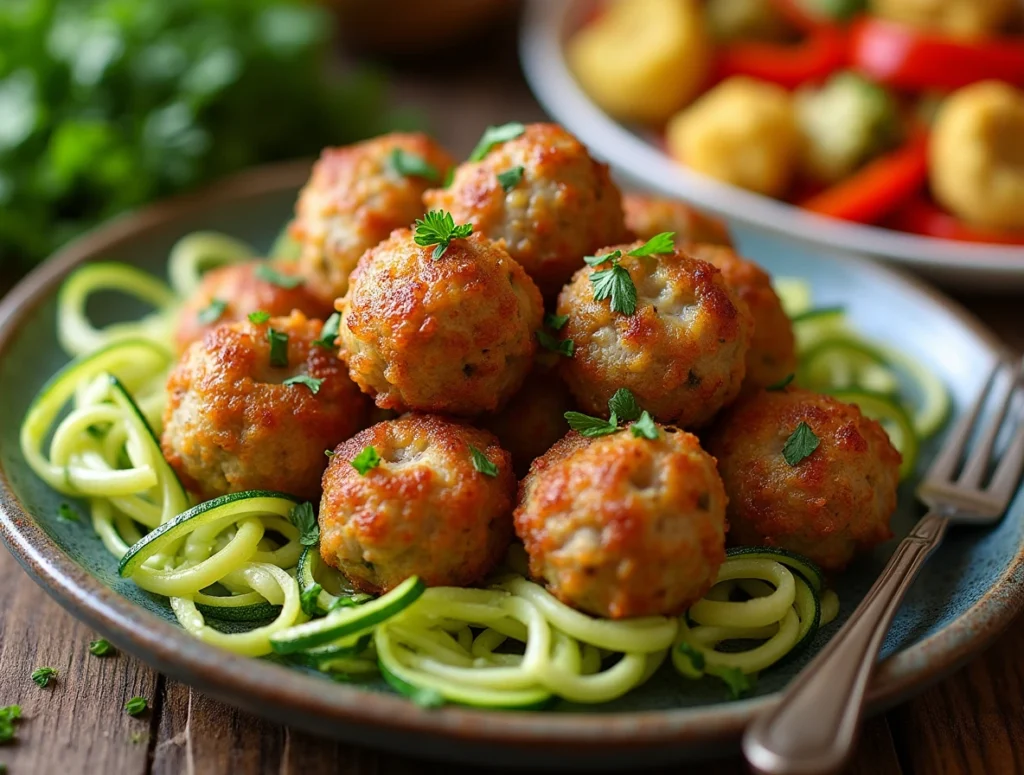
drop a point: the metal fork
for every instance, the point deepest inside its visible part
(813, 727)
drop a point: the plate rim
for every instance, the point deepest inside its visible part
(240, 679)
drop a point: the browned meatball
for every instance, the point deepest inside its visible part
(682, 352)
(232, 423)
(453, 335)
(564, 206)
(621, 526)
(242, 291)
(829, 505)
(772, 354)
(354, 199)
(650, 215)
(424, 511)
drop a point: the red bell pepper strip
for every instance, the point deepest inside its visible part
(877, 188)
(817, 56)
(906, 58)
(921, 216)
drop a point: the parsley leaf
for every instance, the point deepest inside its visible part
(696, 658)
(449, 176)
(330, 452)
(645, 428)
(438, 228)
(43, 675)
(623, 404)
(496, 135)
(413, 165)
(782, 383)
(67, 513)
(304, 379)
(212, 313)
(481, 463)
(615, 255)
(308, 599)
(304, 519)
(615, 284)
(366, 460)
(659, 243)
(100, 648)
(278, 347)
(738, 682)
(801, 443)
(272, 276)
(329, 332)
(555, 322)
(136, 706)
(510, 178)
(564, 347)
(8, 715)
(259, 317)
(591, 427)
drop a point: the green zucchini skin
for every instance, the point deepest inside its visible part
(810, 572)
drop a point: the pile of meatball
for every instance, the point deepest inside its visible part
(428, 421)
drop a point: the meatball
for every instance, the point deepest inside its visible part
(772, 354)
(241, 289)
(355, 197)
(425, 510)
(562, 207)
(621, 526)
(828, 505)
(235, 420)
(453, 335)
(650, 215)
(682, 352)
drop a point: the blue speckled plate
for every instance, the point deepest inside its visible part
(968, 591)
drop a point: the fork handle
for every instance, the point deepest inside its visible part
(812, 728)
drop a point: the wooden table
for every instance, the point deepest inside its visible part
(972, 722)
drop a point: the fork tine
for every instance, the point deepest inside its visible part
(978, 462)
(1007, 474)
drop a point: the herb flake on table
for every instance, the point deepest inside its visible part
(136, 706)
(496, 135)
(438, 228)
(44, 676)
(481, 463)
(366, 460)
(801, 443)
(8, 715)
(101, 648)
(274, 277)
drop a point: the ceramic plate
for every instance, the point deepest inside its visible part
(546, 26)
(968, 591)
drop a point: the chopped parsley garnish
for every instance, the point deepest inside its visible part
(644, 428)
(43, 675)
(330, 452)
(615, 284)
(449, 176)
(259, 317)
(329, 332)
(136, 706)
(304, 379)
(564, 347)
(100, 647)
(658, 244)
(366, 460)
(272, 276)
(438, 228)
(510, 178)
(496, 135)
(782, 383)
(278, 347)
(738, 682)
(67, 513)
(213, 312)
(555, 322)
(623, 404)
(615, 255)
(8, 715)
(591, 427)
(696, 658)
(481, 463)
(801, 443)
(308, 599)
(304, 519)
(413, 165)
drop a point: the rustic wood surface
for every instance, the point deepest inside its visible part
(970, 723)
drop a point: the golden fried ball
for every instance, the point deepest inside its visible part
(828, 506)
(650, 215)
(355, 197)
(453, 335)
(682, 352)
(424, 511)
(231, 423)
(772, 354)
(564, 206)
(241, 289)
(620, 526)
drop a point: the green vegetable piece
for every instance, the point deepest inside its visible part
(259, 317)
(782, 384)
(615, 284)
(212, 313)
(43, 676)
(496, 135)
(696, 658)
(100, 648)
(274, 277)
(591, 427)
(656, 245)
(644, 428)
(481, 463)
(366, 460)
(304, 379)
(67, 513)
(304, 519)
(623, 404)
(555, 322)
(510, 178)
(278, 348)
(8, 715)
(438, 227)
(801, 443)
(615, 255)
(308, 599)
(136, 706)
(564, 347)
(738, 682)
(413, 165)
(329, 333)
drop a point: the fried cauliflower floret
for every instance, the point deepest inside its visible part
(423, 511)
(564, 207)
(959, 18)
(231, 424)
(828, 506)
(355, 197)
(650, 215)
(621, 526)
(772, 354)
(242, 291)
(976, 158)
(682, 352)
(642, 60)
(453, 335)
(742, 132)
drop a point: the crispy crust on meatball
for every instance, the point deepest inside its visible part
(832, 504)
(682, 352)
(453, 335)
(232, 425)
(650, 215)
(424, 511)
(621, 526)
(354, 199)
(772, 354)
(243, 292)
(565, 206)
